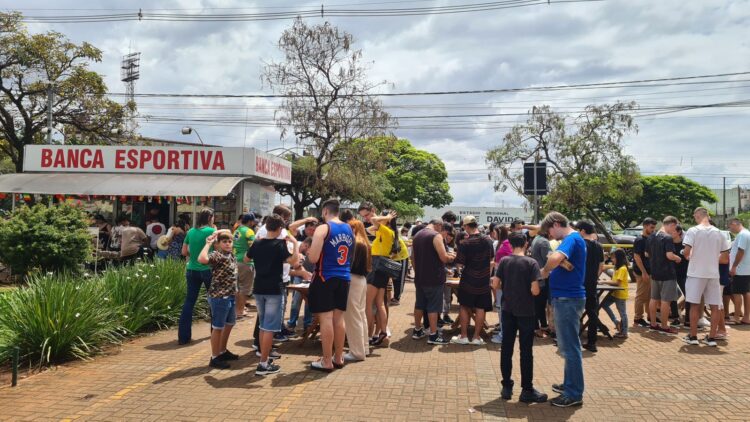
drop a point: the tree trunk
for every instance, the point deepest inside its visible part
(299, 209)
(599, 224)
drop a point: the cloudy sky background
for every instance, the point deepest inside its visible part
(567, 43)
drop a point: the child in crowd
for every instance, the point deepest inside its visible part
(621, 278)
(221, 295)
(269, 255)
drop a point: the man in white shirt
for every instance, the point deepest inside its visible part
(155, 230)
(704, 244)
(739, 270)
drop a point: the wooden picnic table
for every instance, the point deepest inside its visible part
(311, 331)
(603, 291)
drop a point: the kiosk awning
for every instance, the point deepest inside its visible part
(118, 184)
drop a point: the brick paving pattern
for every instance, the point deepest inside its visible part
(648, 377)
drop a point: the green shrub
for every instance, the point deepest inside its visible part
(44, 238)
(149, 294)
(56, 318)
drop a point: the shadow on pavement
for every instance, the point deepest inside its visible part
(245, 362)
(296, 378)
(242, 380)
(173, 345)
(501, 408)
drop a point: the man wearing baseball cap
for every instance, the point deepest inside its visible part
(243, 238)
(475, 255)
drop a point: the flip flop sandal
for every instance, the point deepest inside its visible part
(338, 365)
(318, 366)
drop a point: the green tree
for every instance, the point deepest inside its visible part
(583, 154)
(30, 65)
(661, 196)
(413, 178)
(44, 238)
(327, 105)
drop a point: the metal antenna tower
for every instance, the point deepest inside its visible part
(130, 71)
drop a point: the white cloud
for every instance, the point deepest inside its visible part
(546, 45)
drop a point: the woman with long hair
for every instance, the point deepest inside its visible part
(355, 317)
(377, 281)
(619, 298)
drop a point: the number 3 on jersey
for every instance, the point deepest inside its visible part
(343, 254)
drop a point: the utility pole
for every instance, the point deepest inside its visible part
(50, 100)
(724, 201)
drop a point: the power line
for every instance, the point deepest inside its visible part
(149, 15)
(657, 82)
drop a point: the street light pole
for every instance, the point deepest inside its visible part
(187, 130)
(50, 100)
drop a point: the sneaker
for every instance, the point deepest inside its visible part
(273, 355)
(291, 326)
(590, 347)
(437, 339)
(394, 302)
(532, 396)
(267, 369)
(255, 346)
(621, 335)
(280, 337)
(478, 342)
(564, 401)
(709, 341)
(640, 323)
(447, 319)
(670, 330)
(348, 357)
(703, 322)
(691, 340)
(217, 363)
(497, 338)
(460, 340)
(722, 337)
(227, 355)
(418, 334)
(288, 333)
(558, 388)
(675, 323)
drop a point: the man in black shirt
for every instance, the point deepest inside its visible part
(475, 255)
(594, 267)
(642, 273)
(518, 275)
(662, 257)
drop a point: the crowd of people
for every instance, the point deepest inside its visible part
(540, 279)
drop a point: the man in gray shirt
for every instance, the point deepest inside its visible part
(540, 249)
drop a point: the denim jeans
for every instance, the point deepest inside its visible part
(296, 304)
(195, 279)
(621, 305)
(568, 311)
(524, 327)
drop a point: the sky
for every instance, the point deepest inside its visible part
(538, 45)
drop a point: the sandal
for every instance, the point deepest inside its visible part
(318, 366)
(338, 365)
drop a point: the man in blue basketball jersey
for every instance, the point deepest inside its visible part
(332, 245)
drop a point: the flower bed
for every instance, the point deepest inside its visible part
(57, 317)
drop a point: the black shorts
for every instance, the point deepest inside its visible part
(429, 299)
(727, 290)
(741, 284)
(325, 296)
(378, 279)
(474, 300)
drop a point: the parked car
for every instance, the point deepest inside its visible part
(633, 231)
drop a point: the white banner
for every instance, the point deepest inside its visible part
(156, 160)
(484, 215)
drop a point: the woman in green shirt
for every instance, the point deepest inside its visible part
(197, 274)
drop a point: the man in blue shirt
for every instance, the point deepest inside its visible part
(566, 268)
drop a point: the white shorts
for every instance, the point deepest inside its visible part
(708, 288)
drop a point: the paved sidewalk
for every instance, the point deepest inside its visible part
(649, 376)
